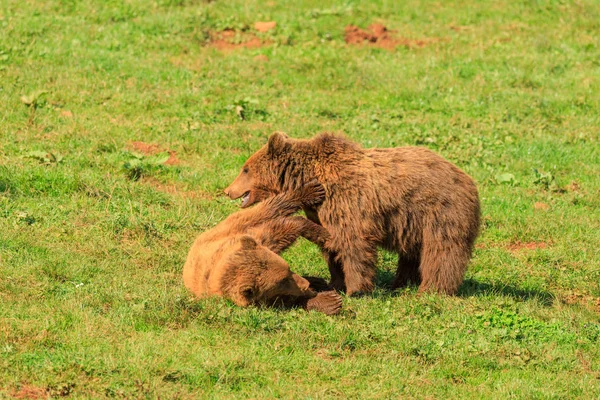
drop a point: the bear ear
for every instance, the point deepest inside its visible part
(277, 143)
(247, 293)
(244, 296)
(248, 242)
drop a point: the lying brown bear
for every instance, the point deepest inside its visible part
(408, 200)
(238, 259)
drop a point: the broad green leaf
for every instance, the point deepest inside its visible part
(158, 159)
(505, 178)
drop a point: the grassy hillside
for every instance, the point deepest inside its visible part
(122, 121)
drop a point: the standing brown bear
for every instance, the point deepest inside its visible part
(408, 200)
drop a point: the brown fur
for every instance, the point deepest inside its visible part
(408, 200)
(238, 258)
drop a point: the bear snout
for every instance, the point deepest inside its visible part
(232, 193)
(235, 191)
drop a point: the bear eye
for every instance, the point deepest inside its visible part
(245, 170)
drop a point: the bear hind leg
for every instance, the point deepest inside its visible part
(443, 267)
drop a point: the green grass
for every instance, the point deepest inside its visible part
(92, 245)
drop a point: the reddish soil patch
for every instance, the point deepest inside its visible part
(323, 354)
(515, 247)
(573, 187)
(151, 149)
(572, 299)
(30, 392)
(261, 58)
(460, 28)
(173, 160)
(541, 206)
(145, 148)
(379, 36)
(265, 26)
(584, 300)
(230, 40)
(172, 189)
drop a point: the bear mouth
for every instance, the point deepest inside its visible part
(247, 199)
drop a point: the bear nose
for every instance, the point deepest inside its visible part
(226, 190)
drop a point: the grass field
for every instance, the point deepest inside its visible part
(95, 222)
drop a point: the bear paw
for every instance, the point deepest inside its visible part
(312, 194)
(329, 303)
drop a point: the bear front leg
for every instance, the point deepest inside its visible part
(281, 234)
(312, 194)
(279, 206)
(277, 235)
(333, 263)
(287, 203)
(320, 236)
(337, 281)
(359, 264)
(313, 232)
(274, 208)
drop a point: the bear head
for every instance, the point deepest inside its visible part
(286, 164)
(256, 275)
(256, 181)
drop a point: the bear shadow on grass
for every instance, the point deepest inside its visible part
(470, 287)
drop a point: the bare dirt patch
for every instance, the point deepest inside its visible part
(519, 246)
(538, 205)
(265, 26)
(582, 299)
(149, 149)
(323, 354)
(145, 148)
(574, 186)
(460, 28)
(231, 40)
(261, 58)
(29, 392)
(377, 35)
(174, 190)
